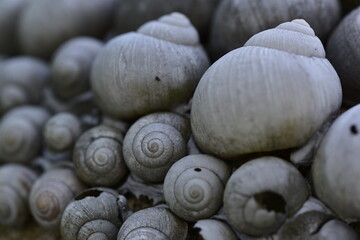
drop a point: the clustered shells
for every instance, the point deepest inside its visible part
(201, 119)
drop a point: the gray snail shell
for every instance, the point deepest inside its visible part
(150, 70)
(15, 184)
(154, 143)
(262, 193)
(95, 214)
(21, 133)
(336, 166)
(235, 21)
(71, 64)
(51, 194)
(23, 79)
(153, 223)
(194, 186)
(10, 11)
(61, 132)
(44, 24)
(212, 229)
(98, 157)
(255, 91)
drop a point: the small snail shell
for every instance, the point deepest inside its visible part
(15, 184)
(51, 194)
(61, 132)
(98, 156)
(262, 193)
(45, 25)
(259, 105)
(153, 223)
(150, 70)
(336, 166)
(71, 66)
(153, 143)
(20, 133)
(212, 229)
(94, 214)
(194, 186)
(22, 81)
(235, 21)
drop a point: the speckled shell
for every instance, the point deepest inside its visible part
(262, 193)
(155, 223)
(194, 186)
(274, 93)
(150, 70)
(15, 184)
(154, 143)
(235, 21)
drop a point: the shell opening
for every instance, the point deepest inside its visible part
(197, 169)
(353, 130)
(89, 193)
(271, 201)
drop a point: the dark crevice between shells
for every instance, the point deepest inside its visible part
(89, 193)
(271, 201)
(194, 233)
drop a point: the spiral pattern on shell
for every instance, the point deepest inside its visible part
(98, 156)
(154, 143)
(194, 186)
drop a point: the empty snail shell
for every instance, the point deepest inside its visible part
(21, 133)
(150, 70)
(212, 229)
(70, 68)
(15, 184)
(153, 143)
(252, 92)
(61, 132)
(153, 223)
(194, 186)
(23, 79)
(51, 194)
(94, 214)
(98, 157)
(262, 193)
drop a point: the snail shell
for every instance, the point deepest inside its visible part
(212, 229)
(71, 66)
(235, 21)
(94, 214)
(262, 193)
(22, 81)
(258, 100)
(336, 166)
(20, 133)
(15, 184)
(61, 132)
(153, 223)
(51, 194)
(194, 186)
(44, 24)
(153, 143)
(150, 70)
(98, 156)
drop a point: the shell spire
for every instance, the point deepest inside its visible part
(294, 37)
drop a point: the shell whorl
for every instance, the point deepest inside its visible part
(295, 37)
(194, 186)
(175, 28)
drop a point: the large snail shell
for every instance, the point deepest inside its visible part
(15, 184)
(336, 166)
(262, 193)
(44, 24)
(153, 143)
(21, 133)
(272, 94)
(61, 132)
(71, 66)
(150, 70)
(194, 186)
(98, 157)
(155, 223)
(235, 21)
(212, 229)
(51, 194)
(22, 80)
(93, 215)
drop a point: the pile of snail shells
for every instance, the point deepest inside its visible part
(146, 115)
